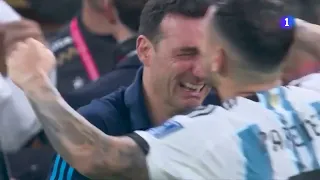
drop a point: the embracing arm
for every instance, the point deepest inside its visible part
(90, 151)
(307, 37)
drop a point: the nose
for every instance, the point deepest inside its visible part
(198, 70)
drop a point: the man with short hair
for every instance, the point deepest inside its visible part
(286, 117)
(85, 48)
(235, 142)
(169, 83)
(171, 73)
(124, 54)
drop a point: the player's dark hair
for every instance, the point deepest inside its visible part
(253, 28)
(155, 10)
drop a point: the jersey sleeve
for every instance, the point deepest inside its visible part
(140, 141)
(193, 151)
(184, 159)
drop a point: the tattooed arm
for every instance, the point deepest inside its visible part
(90, 151)
(83, 146)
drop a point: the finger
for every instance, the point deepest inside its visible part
(22, 24)
(10, 44)
(15, 57)
(53, 60)
(16, 35)
(36, 45)
(35, 42)
(21, 45)
(21, 50)
(10, 59)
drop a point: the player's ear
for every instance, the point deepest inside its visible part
(218, 60)
(144, 50)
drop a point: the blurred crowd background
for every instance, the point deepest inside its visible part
(112, 62)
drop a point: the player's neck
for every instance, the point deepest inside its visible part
(231, 89)
(94, 21)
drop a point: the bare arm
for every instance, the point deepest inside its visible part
(307, 37)
(82, 145)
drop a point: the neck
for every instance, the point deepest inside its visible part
(122, 33)
(232, 89)
(94, 21)
(158, 110)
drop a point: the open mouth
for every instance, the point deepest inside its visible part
(192, 87)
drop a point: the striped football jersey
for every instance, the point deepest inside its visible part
(273, 135)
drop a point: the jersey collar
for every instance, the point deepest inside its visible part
(216, 100)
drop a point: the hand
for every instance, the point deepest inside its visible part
(11, 33)
(29, 63)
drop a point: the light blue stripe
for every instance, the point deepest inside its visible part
(301, 129)
(55, 168)
(316, 106)
(266, 99)
(258, 165)
(70, 173)
(63, 167)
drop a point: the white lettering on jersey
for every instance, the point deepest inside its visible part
(298, 126)
(61, 43)
(289, 121)
(78, 82)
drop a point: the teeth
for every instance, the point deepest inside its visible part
(193, 87)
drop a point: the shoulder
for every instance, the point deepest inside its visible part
(112, 81)
(302, 94)
(109, 113)
(209, 120)
(310, 82)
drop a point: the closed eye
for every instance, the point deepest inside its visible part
(188, 51)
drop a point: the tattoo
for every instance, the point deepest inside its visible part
(90, 151)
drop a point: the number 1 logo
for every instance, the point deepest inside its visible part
(287, 22)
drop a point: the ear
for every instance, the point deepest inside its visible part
(144, 50)
(218, 60)
(110, 11)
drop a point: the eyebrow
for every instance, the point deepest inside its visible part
(193, 50)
